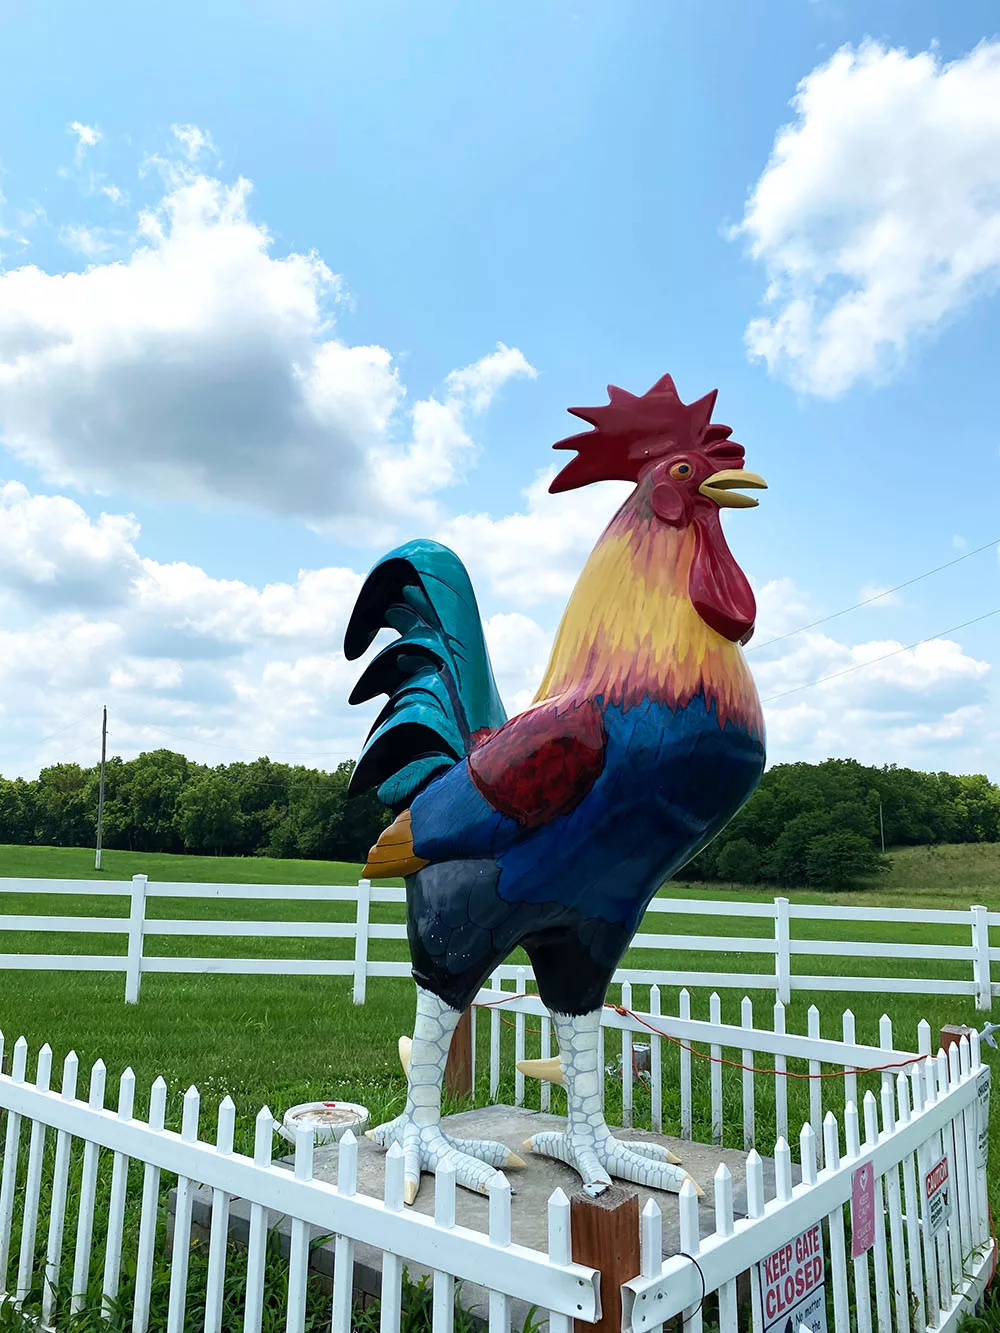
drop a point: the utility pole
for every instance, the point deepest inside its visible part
(100, 795)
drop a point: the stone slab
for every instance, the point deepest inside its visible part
(532, 1187)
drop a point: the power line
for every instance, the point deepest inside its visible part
(895, 653)
(40, 740)
(878, 597)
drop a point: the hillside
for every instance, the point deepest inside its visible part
(966, 869)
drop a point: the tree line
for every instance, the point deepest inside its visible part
(164, 802)
(819, 824)
(814, 824)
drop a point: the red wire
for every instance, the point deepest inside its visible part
(718, 1059)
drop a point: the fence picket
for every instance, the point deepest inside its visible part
(850, 1077)
(60, 1186)
(180, 1249)
(715, 1018)
(33, 1184)
(961, 1159)
(147, 1215)
(725, 1226)
(885, 1044)
(690, 1226)
(219, 1230)
(882, 1306)
(983, 1207)
(560, 1250)
(815, 1086)
(298, 1255)
(545, 1087)
(12, 1146)
(900, 1286)
(971, 1117)
(499, 1192)
(954, 1237)
(521, 988)
(655, 1066)
(627, 1060)
(116, 1207)
(496, 984)
(755, 1209)
(263, 1146)
(931, 1281)
(343, 1246)
(392, 1265)
(684, 1012)
(780, 1081)
(783, 1170)
(749, 1117)
(443, 1295)
(88, 1195)
(835, 1224)
(862, 1279)
(913, 1230)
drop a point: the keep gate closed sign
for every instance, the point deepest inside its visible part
(792, 1285)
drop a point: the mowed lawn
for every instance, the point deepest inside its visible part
(282, 1040)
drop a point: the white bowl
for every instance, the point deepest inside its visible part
(329, 1121)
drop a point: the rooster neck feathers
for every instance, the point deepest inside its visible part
(630, 630)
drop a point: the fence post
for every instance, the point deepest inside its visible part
(136, 927)
(605, 1236)
(458, 1069)
(782, 952)
(361, 940)
(981, 962)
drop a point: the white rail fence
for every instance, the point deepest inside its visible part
(780, 947)
(911, 1126)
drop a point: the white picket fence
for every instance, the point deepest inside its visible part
(926, 1109)
(925, 1263)
(780, 946)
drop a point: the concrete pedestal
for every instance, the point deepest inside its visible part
(532, 1187)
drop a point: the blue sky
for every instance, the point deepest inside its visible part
(254, 383)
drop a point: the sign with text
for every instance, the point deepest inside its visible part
(983, 1103)
(791, 1284)
(862, 1210)
(937, 1193)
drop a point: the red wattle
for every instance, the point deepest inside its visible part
(718, 588)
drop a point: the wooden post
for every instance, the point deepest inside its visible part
(952, 1032)
(458, 1070)
(605, 1234)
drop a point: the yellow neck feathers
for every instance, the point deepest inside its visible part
(630, 631)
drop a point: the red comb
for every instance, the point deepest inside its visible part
(633, 430)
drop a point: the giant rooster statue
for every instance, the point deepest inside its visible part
(555, 829)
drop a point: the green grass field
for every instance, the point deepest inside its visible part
(283, 1040)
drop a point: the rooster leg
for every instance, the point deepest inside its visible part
(418, 1130)
(587, 1144)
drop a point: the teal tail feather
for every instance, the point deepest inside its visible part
(437, 673)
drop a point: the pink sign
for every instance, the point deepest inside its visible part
(862, 1210)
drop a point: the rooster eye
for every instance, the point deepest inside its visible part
(681, 471)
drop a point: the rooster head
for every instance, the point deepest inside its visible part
(686, 469)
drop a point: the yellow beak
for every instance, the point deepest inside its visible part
(724, 488)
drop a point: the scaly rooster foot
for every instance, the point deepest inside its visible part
(597, 1155)
(425, 1147)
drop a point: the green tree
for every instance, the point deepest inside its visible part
(739, 862)
(208, 814)
(836, 860)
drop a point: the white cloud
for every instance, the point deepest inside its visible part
(193, 140)
(115, 193)
(538, 553)
(878, 214)
(87, 136)
(519, 650)
(202, 368)
(91, 242)
(51, 550)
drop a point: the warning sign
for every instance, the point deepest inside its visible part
(791, 1283)
(983, 1102)
(937, 1192)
